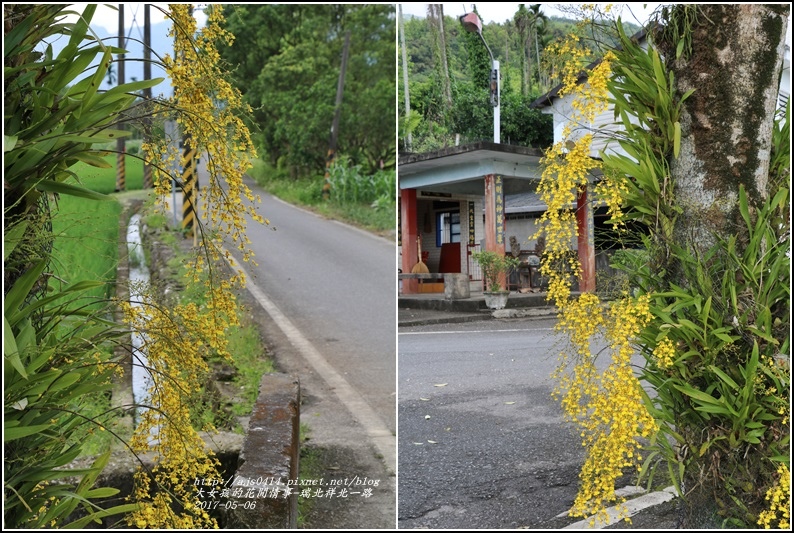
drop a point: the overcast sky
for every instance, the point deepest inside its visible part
(635, 12)
(502, 11)
(108, 18)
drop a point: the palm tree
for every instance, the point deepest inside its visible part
(521, 21)
(537, 23)
(435, 16)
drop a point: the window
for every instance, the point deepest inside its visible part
(447, 228)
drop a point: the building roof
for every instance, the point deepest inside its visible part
(460, 169)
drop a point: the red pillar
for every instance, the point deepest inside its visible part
(495, 218)
(409, 232)
(584, 226)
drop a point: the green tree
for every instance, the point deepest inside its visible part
(286, 60)
(51, 337)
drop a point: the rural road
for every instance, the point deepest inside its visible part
(324, 296)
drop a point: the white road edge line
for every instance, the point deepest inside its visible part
(473, 331)
(633, 507)
(383, 439)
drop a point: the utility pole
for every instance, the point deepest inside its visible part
(340, 86)
(121, 171)
(189, 181)
(405, 80)
(148, 182)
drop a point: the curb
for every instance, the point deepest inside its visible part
(443, 320)
(429, 320)
(632, 506)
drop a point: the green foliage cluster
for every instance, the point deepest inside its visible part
(648, 108)
(363, 200)
(717, 346)
(287, 59)
(723, 402)
(352, 186)
(54, 360)
(470, 117)
(521, 44)
(493, 266)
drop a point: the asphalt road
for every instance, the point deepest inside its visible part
(481, 442)
(324, 296)
(336, 284)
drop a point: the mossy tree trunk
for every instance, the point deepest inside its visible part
(732, 57)
(734, 66)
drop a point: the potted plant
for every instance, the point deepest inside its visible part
(493, 265)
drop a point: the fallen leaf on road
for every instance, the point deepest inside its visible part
(447, 429)
(509, 403)
(418, 443)
(425, 399)
(432, 442)
(427, 417)
(440, 385)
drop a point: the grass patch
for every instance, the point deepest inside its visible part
(309, 468)
(85, 245)
(103, 180)
(250, 360)
(374, 210)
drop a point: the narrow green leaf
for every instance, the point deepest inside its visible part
(71, 190)
(119, 509)
(21, 288)
(696, 394)
(65, 381)
(725, 377)
(10, 350)
(19, 432)
(676, 139)
(12, 237)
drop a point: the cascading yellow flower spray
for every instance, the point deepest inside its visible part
(178, 338)
(607, 406)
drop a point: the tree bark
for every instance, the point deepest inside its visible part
(726, 125)
(436, 18)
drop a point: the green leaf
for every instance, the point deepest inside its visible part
(21, 288)
(676, 139)
(101, 492)
(10, 350)
(72, 190)
(12, 237)
(65, 381)
(119, 509)
(696, 394)
(14, 433)
(9, 142)
(724, 377)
